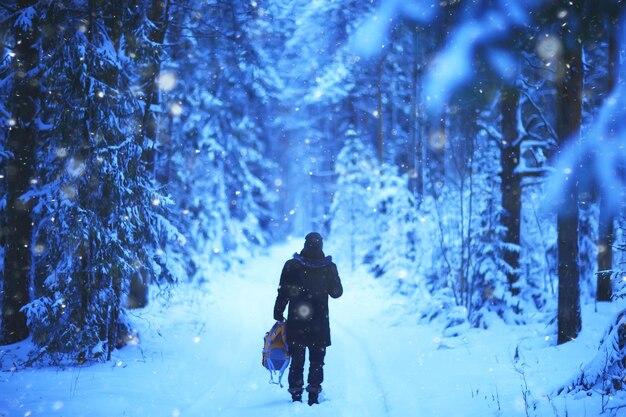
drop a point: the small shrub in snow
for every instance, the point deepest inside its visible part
(605, 373)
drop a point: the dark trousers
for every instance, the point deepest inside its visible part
(316, 368)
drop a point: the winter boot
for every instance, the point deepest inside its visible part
(313, 398)
(296, 397)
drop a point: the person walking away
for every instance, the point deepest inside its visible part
(305, 284)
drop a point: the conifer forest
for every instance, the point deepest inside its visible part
(465, 158)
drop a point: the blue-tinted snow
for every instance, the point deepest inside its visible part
(199, 354)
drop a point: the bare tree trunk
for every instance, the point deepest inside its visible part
(606, 236)
(569, 113)
(20, 171)
(511, 182)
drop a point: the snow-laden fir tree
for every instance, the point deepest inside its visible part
(98, 211)
(354, 218)
(461, 232)
(22, 107)
(401, 246)
(213, 139)
(5, 123)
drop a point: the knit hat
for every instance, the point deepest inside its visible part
(313, 241)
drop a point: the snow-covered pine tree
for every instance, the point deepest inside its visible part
(97, 207)
(316, 101)
(491, 297)
(5, 69)
(394, 258)
(605, 372)
(465, 271)
(21, 112)
(5, 86)
(147, 49)
(354, 224)
(523, 138)
(212, 150)
(242, 128)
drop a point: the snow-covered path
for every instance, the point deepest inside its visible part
(200, 355)
(245, 304)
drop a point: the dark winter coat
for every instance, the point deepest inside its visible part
(305, 285)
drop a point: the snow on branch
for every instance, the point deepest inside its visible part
(600, 157)
(370, 36)
(25, 18)
(454, 64)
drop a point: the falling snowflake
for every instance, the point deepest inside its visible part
(549, 48)
(166, 81)
(69, 192)
(176, 109)
(437, 140)
(75, 167)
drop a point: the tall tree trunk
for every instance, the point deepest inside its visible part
(20, 171)
(511, 182)
(437, 124)
(114, 20)
(158, 15)
(606, 236)
(569, 113)
(437, 153)
(417, 170)
(381, 132)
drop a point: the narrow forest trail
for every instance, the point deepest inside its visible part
(352, 387)
(200, 356)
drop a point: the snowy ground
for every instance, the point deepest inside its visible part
(200, 355)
